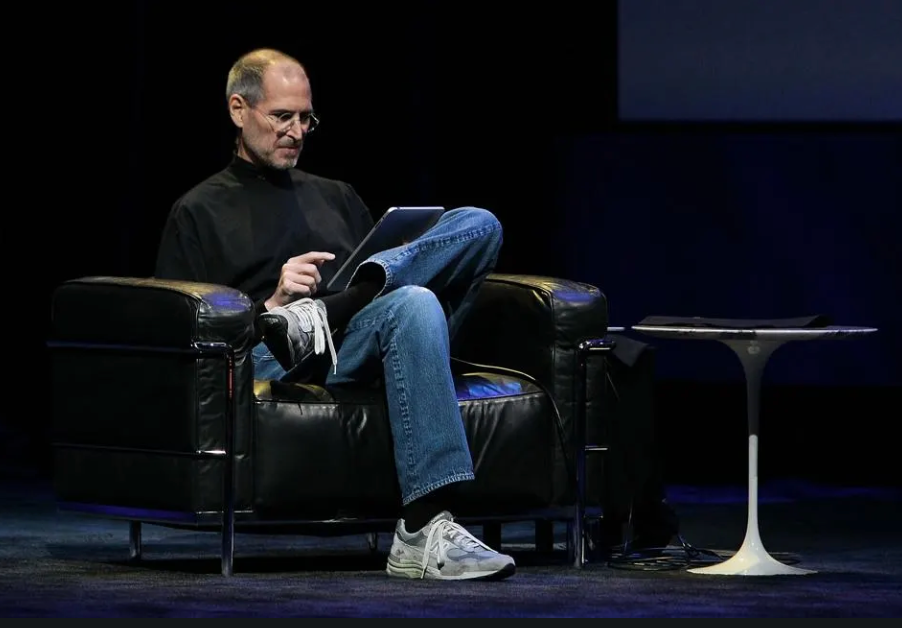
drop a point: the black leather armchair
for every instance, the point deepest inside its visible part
(157, 416)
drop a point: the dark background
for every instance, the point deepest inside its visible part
(687, 157)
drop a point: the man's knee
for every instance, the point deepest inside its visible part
(477, 217)
(415, 306)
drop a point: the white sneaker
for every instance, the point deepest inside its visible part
(444, 550)
(289, 330)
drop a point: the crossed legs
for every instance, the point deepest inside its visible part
(402, 336)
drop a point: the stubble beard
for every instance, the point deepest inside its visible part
(284, 163)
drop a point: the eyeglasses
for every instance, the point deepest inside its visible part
(282, 122)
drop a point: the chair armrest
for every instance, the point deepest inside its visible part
(150, 312)
(532, 324)
(535, 325)
(149, 380)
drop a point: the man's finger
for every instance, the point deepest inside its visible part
(305, 286)
(314, 257)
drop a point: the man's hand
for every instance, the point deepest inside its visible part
(299, 278)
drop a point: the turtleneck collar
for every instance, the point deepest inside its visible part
(245, 169)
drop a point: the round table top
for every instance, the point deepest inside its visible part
(758, 333)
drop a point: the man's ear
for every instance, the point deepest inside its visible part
(237, 110)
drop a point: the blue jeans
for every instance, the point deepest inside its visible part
(404, 336)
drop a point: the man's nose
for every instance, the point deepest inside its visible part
(295, 131)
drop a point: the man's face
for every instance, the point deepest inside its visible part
(272, 131)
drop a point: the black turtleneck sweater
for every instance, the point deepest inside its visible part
(239, 226)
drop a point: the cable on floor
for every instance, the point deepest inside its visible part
(682, 555)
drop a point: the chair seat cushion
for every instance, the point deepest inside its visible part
(326, 452)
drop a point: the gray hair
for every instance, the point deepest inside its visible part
(246, 75)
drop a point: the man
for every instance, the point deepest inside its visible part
(277, 233)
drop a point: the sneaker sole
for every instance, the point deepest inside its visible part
(275, 337)
(414, 571)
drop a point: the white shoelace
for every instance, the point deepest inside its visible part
(440, 543)
(313, 318)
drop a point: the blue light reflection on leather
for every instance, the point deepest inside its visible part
(477, 387)
(227, 300)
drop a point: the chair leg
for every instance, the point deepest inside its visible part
(228, 546)
(576, 537)
(576, 541)
(134, 540)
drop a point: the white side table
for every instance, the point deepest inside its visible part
(754, 346)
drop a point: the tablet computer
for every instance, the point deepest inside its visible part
(397, 226)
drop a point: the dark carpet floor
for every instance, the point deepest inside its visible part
(63, 565)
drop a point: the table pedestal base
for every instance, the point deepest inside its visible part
(752, 559)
